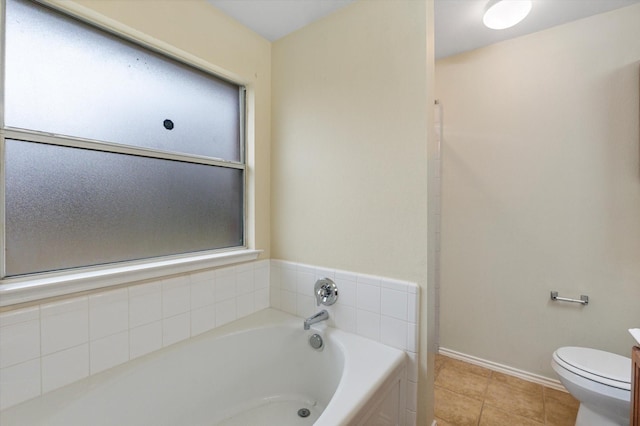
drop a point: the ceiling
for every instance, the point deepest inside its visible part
(458, 23)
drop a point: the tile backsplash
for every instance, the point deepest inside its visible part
(47, 346)
(378, 308)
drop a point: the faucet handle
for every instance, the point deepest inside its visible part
(326, 292)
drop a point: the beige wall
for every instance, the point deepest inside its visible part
(541, 191)
(212, 39)
(349, 175)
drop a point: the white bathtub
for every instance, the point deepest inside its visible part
(259, 370)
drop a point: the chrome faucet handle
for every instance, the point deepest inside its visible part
(326, 292)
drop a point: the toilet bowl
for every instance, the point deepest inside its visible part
(600, 380)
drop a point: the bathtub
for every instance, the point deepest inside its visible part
(258, 370)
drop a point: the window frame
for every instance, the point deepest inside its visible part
(38, 286)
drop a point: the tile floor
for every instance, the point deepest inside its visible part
(467, 394)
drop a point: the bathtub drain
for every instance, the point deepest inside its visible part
(303, 412)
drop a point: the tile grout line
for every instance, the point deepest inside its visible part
(484, 395)
(544, 406)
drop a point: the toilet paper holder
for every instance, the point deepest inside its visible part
(584, 300)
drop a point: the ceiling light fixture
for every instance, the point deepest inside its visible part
(503, 14)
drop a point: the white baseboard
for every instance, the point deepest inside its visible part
(505, 369)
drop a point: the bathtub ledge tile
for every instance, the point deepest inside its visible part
(145, 339)
(176, 329)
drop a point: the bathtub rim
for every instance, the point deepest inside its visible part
(345, 405)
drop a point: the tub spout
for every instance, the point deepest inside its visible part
(320, 316)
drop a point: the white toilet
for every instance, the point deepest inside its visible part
(600, 380)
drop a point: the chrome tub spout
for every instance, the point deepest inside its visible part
(323, 315)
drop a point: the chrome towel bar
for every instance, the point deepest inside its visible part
(584, 300)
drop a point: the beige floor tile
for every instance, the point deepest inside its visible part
(492, 416)
(562, 397)
(512, 399)
(516, 383)
(462, 381)
(470, 368)
(456, 409)
(444, 422)
(509, 401)
(560, 408)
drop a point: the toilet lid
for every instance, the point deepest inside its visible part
(606, 365)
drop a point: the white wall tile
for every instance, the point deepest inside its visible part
(308, 269)
(394, 303)
(325, 273)
(275, 275)
(289, 279)
(369, 280)
(306, 306)
(244, 282)
(226, 311)
(145, 304)
(203, 319)
(225, 287)
(368, 324)
(245, 305)
(203, 291)
(394, 284)
(346, 275)
(108, 352)
(176, 296)
(261, 276)
(145, 339)
(19, 315)
(288, 302)
(19, 342)
(208, 276)
(64, 324)
(412, 337)
(412, 307)
(261, 299)
(368, 297)
(347, 292)
(176, 328)
(345, 318)
(393, 332)
(274, 298)
(64, 367)
(68, 340)
(228, 270)
(305, 282)
(19, 383)
(243, 267)
(108, 313)
(263, 263)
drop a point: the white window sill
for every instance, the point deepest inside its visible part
(21, 290)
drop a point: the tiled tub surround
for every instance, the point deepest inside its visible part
(382, 309)
(47, 346)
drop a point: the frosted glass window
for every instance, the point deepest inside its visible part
(67, 78)
(111, 152)
(69, 207)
